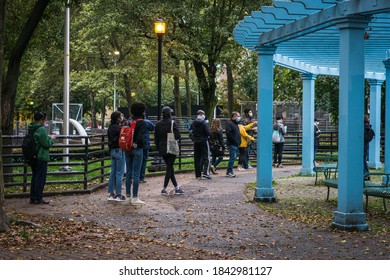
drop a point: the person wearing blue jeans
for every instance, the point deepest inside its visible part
(134, 160)
(233, 140)
(117, 159)
(134, 157)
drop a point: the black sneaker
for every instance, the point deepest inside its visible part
(205, 176)
(164, 192)
(179, 191)
(231, 175)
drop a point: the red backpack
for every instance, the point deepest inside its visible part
(126, 137)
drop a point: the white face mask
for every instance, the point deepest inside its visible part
(279, 122)
(250, 115)
(201, 117)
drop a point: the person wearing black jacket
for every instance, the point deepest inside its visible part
(135, 156)
(162, 128)
(233, 139)
(201, 132)
(217, 145)
(117, 159)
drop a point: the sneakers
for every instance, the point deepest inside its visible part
(205, 176)
(120, 198)
(231, 175)
(240, 169)
(136, 201)
(164, 192)
(111, 197)
(128, 195)
(280, 165)
(213, 170)
(179, 191)
(142, 181)
(249, 167)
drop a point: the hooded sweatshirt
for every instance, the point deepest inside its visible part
(201, 129)
(42, 141)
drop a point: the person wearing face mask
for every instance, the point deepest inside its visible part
(279, 128)
(317, 133)
(201, 131)
(247, 120)
(233, 140)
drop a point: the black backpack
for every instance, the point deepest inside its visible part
(28, 148)
(369, 134)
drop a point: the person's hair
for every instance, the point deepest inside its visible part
(39, 116)
(246, 111)
(215, 124)
(138, 109)
(233, 114)
(114, 116)
(278, 118)
(366, 119)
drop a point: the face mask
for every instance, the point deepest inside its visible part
(279, 122)
(238, 119)
(250, 115)
(201, 117)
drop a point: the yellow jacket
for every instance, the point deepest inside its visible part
(244, 135)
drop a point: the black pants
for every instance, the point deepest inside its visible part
(242, 159)
(170, 172)
(201, 157)
(38, 180)
(278, 152)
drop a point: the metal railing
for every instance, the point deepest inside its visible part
(89, 160)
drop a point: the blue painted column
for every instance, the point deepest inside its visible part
(387, 117)
(349, 214)
(374, 160)
(264, 190)
(308, 123)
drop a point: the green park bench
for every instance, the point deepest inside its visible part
(326, 164)
(379, 189)
(375, 188)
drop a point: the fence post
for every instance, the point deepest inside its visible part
(102, 160)
(86, 157)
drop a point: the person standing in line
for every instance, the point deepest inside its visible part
(245, 138)
(42, 143)
(216, 138)
(117, 159)
(233, 139)
(279, 144)
(317, 133)
(368, 136)
(201, 131)
(135, 156)
(162, 128)
(149, 128)
(248, 119)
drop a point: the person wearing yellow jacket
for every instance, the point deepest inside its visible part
(242, 158)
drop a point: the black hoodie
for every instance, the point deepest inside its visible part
(201, 130)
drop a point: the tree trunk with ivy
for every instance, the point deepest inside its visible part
(3, 217)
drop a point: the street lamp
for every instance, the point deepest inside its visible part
(115, 60)
(159, 29)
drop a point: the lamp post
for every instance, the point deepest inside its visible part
(159, 29)
(115, 60)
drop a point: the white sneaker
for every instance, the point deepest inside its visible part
(136, 201)
(240, 169)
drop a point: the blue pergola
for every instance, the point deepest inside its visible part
(349, 39)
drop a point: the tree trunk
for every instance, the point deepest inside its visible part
(176, 88)
(8, 94)
(230, 84)
(4, 226)
(188, 89)
(207, 85)
(93, 109)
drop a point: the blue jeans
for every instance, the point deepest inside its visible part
(233, 155)
(143, 166)
(38, 180)
(133, 168)
(116, 174)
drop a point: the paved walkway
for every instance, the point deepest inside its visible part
(213, 217)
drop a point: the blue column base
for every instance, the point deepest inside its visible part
(307, 171)
(350, 221)
(265, 195)
(374, 165)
